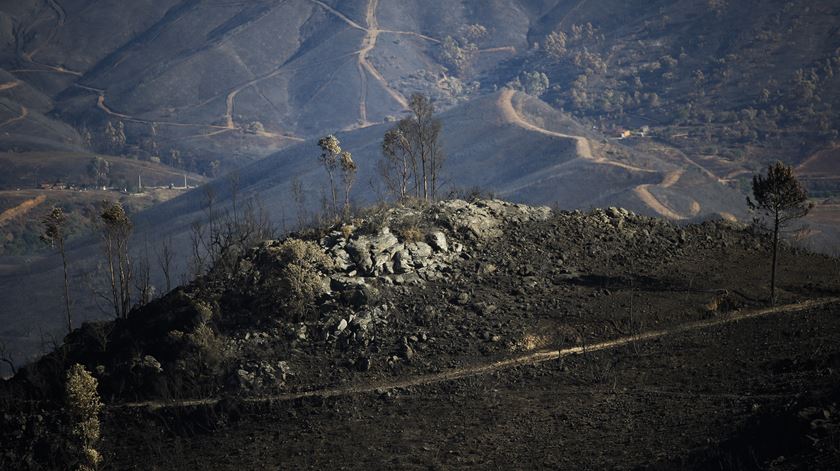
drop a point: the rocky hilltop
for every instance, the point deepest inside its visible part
(447, 291)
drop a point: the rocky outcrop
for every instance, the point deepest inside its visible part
(386, 255)
(485, 218)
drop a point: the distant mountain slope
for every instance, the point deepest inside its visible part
(742, 82)
(492, 143)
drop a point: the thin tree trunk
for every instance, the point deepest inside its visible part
(333, 193)
(66, 285)
(125, 273)
(404, 183)
(109, 254)
(775, 251)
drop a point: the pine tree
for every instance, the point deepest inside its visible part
(780, 199)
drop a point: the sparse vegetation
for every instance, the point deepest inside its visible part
(116, 231)
(220, 236)
(412, 234)
(83, 408)
(295, 277)
(412, 153)
(331, 154)
(348, 176)
(780, 199)
(459, 53)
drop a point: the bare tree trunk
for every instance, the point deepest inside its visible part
(165, 261)
(6, 358)
(404, 181)
(435, 167)
(424, 157)
(416, 175)
(66, 284)
(144, 277)
(775, 251)
(109, 254)
(125, 275)
(333, 194)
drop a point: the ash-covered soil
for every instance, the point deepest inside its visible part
(207, 375)
(758, 394)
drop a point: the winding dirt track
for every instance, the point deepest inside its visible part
(217, 129)
(367, 46)
(491, 367)
(584, 151)
(21, 209)
(24, 112)
(509, 49)
(365, 68)
(644, 194)
(510, 115)
(372, 32)
(9, 85)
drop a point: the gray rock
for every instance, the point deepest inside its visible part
(438, 241)
(360, 255)
(486, 268)
(244, 378)
(343, 283)
(362, 322)
(341, 326)
(383, 242)
(284, 368)
(403, 262)
(383, 264)
(150, 363)
(483, 308)
(341, 258)
(407, 352)
(420, 252)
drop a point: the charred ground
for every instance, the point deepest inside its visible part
(208, 374)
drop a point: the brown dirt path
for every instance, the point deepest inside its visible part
(485, 368)
(21, 209)
(24, 112)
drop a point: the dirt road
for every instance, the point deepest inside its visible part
(512, 116)
(584, 151)
(24, 112)
(9, 85)
(21, 209)
(364, 66)
(485, 368)
(644, 194)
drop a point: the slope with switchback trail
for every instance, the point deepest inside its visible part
(584, 152)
